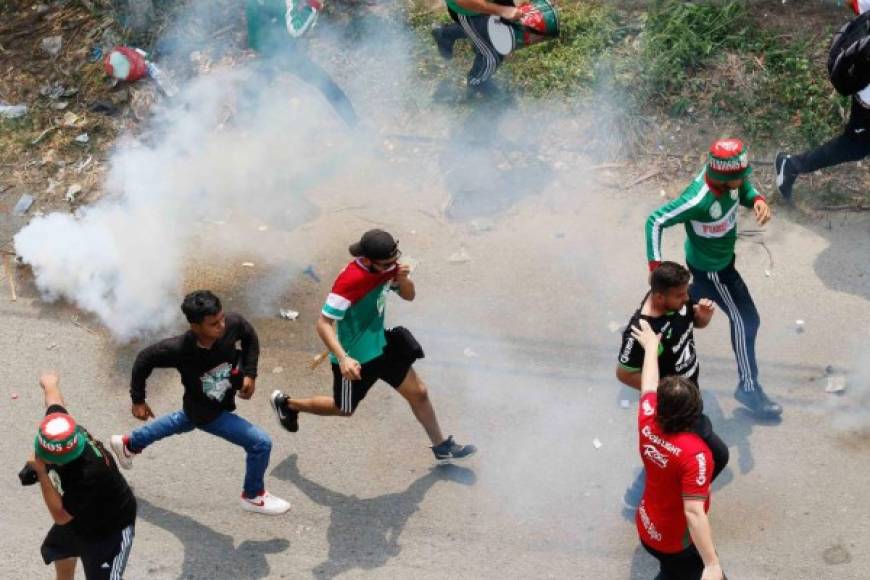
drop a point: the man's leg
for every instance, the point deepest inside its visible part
(486, 59)
(346, 396)
(851, 145)
(729, 291)
(300, 64)
(256, 443)
(106, 558)
(165, 426)
(417, 395)
(320, 405)
(704, 429)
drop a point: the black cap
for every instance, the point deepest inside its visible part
(375, 245)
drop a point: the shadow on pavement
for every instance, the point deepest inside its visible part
(209, 554)
(364, 533)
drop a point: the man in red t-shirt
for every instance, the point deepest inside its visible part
(672, 516)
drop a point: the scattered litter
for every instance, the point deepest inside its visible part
(799, 326)
(613, 326)
(596, 443)
(52, 45)
(69, 119)
(42, 135)
(81, 165)
(309, 271)
(83, 138)
(126, 64)
(14, 396)
(12, 111)
(277, 370)
(95, 54)
(262, 228)
(60, 105)
(72, 191)
(52, 346)
(24, 203)
(288, 314)
(248, 264)
(624, 403)
(481, 225)
(662, 193)
(470, 353)
(836, 384)
(768, 273)
(460, 257)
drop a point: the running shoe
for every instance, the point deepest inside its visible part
(758, 402)
(119, 445)
(449, 450)
(287, 417)
(265, 503)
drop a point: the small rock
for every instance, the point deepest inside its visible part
(14, 396)
(470, 353)
(597, 444)
(288, 314)
(262, 228)
(69, 119)
(83, 138)
(460, 257)
(247, 264)
(277, 370)
(52, 45)
(799, 326)
(829, 370)
(60, 105)
(72, 191)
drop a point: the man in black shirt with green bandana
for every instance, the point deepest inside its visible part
(93, 509)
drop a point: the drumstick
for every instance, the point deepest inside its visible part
(9, 277)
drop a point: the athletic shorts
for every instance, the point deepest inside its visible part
(389, 367)
(102, 558)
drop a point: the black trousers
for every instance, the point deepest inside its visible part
(853, 144)
(486, 58)
(685, 565)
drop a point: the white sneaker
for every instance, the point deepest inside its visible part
(122, 453)
(265, 503)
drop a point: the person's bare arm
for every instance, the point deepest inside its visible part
(484, 7)
(403, 284)
(702, 537)
(325, 327)
(50, 383)
(649, 378)
(627, 377)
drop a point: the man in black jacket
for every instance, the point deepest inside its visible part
(95, 516)
(216, 357)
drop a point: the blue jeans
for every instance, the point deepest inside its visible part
(227, 426)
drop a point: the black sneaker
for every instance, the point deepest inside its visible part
(785, 176)
(287, 417)
(451, 451)
(445, 47)
(757, 402)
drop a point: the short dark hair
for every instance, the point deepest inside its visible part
(669, 275)
(199, 304)
(679, 404)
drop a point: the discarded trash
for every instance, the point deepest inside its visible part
(248, 264)
(309, 271)
(662, 193)
(72, 191)
(799, 326)
(624, 403)
(126, 64)
(14, 396)
(481, 225)
(470, 353)
(52, 45)
(262, 228)
(277, 370)
(288, 314)
(95, 54)
(103, 107)
(767, 273)
(69, 119)
(60, 105)
(460, 257)
(613, 326)
(24, 203)
(83, 138)
(836, 384)
(597, 444)
(12, 111)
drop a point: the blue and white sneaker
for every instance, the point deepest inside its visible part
(449, 450)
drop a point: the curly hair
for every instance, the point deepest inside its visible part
(679, 404)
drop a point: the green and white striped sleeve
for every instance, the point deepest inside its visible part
(335, 307)
(673, 212)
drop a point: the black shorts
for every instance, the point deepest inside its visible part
(102, 558)
(390, 367)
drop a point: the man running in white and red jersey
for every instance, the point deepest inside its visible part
(362, 352)
(672, 517)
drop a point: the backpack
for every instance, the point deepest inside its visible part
(849, 56)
